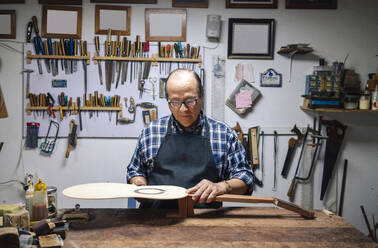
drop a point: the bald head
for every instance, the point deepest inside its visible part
(180, 74)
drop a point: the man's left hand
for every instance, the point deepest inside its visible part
(206, 191)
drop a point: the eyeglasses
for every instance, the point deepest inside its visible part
(189, 103)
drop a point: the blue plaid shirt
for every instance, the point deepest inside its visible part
(229, 154)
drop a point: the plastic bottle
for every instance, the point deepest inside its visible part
(40, 201)
(29, 199)
(374, 102)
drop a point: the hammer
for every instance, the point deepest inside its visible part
(27, 71)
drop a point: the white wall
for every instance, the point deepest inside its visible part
(351, 29)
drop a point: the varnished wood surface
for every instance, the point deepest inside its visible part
(226, 227)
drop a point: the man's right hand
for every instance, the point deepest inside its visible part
(139, 181)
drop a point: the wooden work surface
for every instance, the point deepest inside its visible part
(227, 227)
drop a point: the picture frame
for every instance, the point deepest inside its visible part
(8, 24)
(68, 2)
(250, 38)
(311, 4)
(61, 21)
(125, 1)
(116, 18)
(190, 3)
(165, 24)
(11, 1)
(255, 4)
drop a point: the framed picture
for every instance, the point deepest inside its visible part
(61, 22)
(267, 4)
(191, 3)
(69, 2)
(250, 38)
(116, 18)
(311, 4)
(165, 24)
(8, 24)
(11, 1)
(123, 1)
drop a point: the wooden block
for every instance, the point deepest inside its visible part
(49, 241)
(9, 237)
(20, 218)
(8, 208)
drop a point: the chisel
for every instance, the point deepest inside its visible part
(97, 44)
(118, 53)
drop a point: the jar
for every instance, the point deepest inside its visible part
(351, 102)
(365, 102)
(51, 201)
(40, 202)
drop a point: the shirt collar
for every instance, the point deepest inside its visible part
(195, 129)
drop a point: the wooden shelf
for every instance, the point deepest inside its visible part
(73, 108)
(338, 110)
(30, 57)
(299, 50)
(153, 59)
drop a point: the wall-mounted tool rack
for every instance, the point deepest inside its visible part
(30, 57)
(155, 59)
(74, 108)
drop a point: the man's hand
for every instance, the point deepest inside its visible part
(206, 191)
(139, 181)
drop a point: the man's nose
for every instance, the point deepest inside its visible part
(183, 107)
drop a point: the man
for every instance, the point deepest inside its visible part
(188, 149)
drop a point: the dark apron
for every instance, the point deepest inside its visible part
(183, 159)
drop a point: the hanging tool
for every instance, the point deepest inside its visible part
(253, 146)
(274, 188)
(150, 114)
(50, 103)
(124, 63)
(289, 155)
(72, 137)
(71, 48)
(252, 152)
(262, 155)
(79, 110)
(27, 91)
(75, 53)
(29, 31)
(124, 120)
(63, 52)
(244, 143)
(38, 46)
(84, 53)
(48, 145)
(293, 184)
(118, 54)
(50, 51)
(108, 63)
(335, 133)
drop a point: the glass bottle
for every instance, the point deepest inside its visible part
(40, 201)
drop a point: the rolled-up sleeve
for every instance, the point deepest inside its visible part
(135, 167)
(238, 166)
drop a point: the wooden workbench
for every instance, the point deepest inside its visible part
(226, 227)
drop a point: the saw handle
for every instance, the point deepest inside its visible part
(290, 192)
